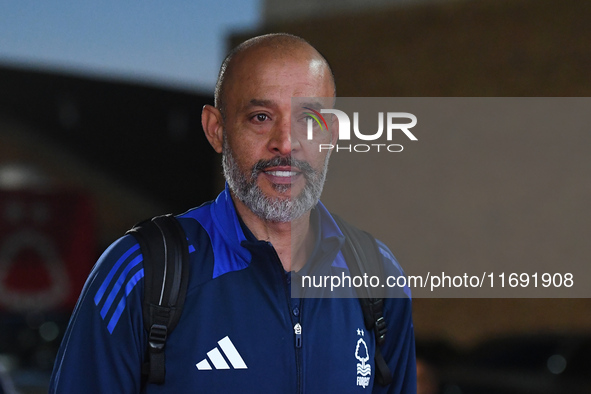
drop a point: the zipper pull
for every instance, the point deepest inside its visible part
(298, 335)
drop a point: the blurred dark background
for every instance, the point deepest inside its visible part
(84, 158)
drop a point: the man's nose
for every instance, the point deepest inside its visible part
(281, 139)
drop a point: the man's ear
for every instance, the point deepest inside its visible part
(213, 126)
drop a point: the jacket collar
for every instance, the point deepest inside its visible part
(328, 235)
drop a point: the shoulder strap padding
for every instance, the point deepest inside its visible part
(165, 255)
(363, 256)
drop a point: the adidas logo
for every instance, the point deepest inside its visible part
(218, 361)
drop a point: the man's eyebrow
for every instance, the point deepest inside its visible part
(313, 105)
(260, 103)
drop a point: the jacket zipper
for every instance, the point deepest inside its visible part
(298, 331)
(296, 322)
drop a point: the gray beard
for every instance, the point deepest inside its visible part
(277, 209)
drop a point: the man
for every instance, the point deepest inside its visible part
(240, 330)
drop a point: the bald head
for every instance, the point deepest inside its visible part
(278, 45)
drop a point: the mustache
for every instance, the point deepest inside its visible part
(282, 161)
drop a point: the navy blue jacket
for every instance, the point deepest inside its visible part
(238, 329)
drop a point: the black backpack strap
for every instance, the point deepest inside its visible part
(165, 254)
(362, 255)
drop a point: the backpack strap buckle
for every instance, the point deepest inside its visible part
(157, 337)
(380, 330)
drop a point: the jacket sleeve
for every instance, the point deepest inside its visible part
(103, 347)
(399, 349)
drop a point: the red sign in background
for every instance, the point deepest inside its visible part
(47, 249)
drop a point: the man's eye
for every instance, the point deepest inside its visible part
(261, 117)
